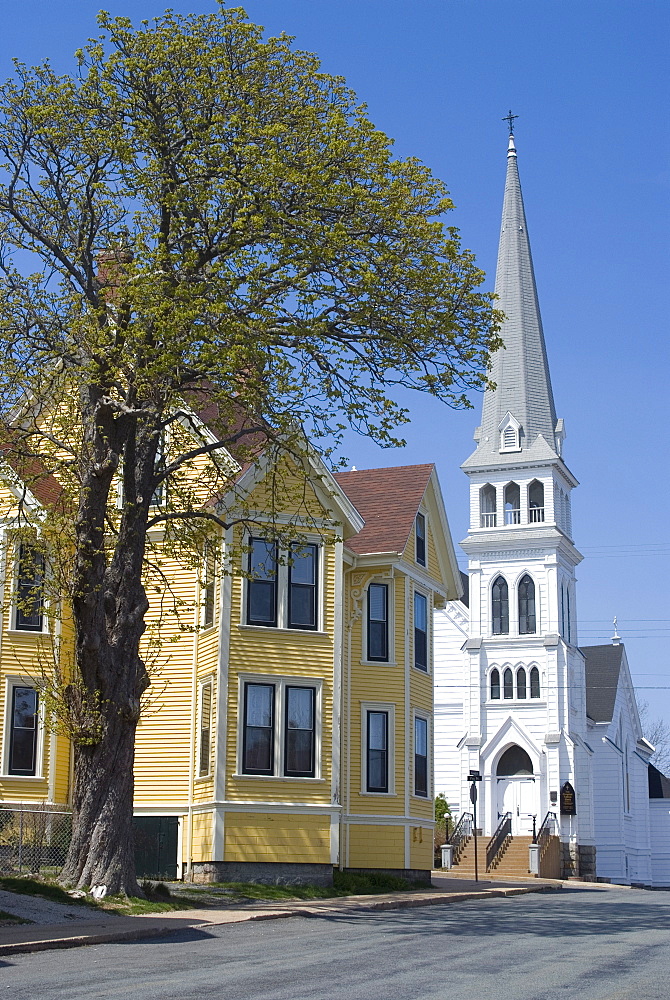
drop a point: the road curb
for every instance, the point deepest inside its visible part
(341, 907)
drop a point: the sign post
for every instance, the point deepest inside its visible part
(473, 778)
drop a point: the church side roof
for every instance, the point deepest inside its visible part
(519, 370)
(602, 666)
(388, 500)
(659, 785)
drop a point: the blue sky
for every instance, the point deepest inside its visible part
(589, 81)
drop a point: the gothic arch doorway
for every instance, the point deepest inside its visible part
(517, 790)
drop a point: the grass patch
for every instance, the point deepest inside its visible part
(35, 887)
(344, 884)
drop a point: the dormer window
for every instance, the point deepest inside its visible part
(510, 434)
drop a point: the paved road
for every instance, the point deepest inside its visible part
(585, 943)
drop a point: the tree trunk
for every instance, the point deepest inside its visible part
(102, 849)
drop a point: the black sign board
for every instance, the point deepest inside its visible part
(568, 802)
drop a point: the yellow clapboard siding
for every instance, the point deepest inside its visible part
(201, 845)
(376, 846)
(421, 847)
(277, 837)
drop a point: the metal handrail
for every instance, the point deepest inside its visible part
(461, 834)
(546, 830)
(498, 840)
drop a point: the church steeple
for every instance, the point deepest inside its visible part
(518, 416)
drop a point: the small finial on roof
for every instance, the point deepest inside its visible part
(511, 148)
(616, 638)
(509, 117)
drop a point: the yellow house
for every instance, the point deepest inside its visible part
(289, 725)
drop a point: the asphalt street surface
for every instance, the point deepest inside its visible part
(582, 942)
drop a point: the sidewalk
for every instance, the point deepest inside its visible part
(75, 933)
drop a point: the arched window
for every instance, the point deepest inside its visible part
(512, 504)
(508, 683)
(487, 506)
(535, 502)
(535, 683)
(521, 683)
(526, 605)
(495, 684)
(500, 606)
(515, 760)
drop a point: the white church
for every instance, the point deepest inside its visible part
(551, 727)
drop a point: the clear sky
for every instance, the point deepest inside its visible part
(589, 80)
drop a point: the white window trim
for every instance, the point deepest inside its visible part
(390, 614)
(282, 588)
(280, 685)
(13, 630)
(202, 683)
(11, 682)
(420, 713)
(202, 584)
(378, 706)
(429, 632)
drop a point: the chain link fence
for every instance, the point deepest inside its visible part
(33, 839)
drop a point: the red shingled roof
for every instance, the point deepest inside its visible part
(388, 500)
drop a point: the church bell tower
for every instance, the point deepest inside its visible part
(524, 691)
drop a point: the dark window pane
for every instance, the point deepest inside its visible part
(535, 683)
(302, 607)
(23, 736)
(262, 588)
(302, 587)
(420, 632)
(205, 729)
(495, 684)
(258, 754)
(521, 683)
(500, 607)
(421, 776)
(421, 539)
(300, 708)
(421, 736)
(377, 771)
(303, 566)
(526, 606)
(508, 684)
(377, 753)
(378, 621)
(299, 751)
(259, 704)
(30, 590)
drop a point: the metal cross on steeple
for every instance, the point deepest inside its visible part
(510, 118)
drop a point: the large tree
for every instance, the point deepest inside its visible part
(196, 217)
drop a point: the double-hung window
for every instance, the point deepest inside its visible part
(279, 729)
(283, 592)
(209, 585)
(23, 731)
(378, 622)
(420, 631)
(420, 756)
(302, 576)
(420, 534)
(205, 734)
(377, 740)
(262, 585)
(29, 612)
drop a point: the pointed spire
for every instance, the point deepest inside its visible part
(523, 399)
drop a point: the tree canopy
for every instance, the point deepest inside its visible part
(199, 217)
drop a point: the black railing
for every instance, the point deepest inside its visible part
(460, 835)
(498, 840)
(546, 831)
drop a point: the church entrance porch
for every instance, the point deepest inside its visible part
(517, 790)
